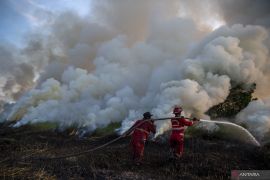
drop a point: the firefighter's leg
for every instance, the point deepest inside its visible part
(135, 151)
(180, 149)
(140, 153)
(175, 149)
(138, 149)
(173, 145)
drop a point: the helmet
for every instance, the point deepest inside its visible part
(177, 110)
(147, 115)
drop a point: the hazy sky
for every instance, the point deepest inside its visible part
(20, 16)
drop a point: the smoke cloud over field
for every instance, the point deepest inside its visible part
(128, 57)
(257, 118)
(16, 74)
(246, 12)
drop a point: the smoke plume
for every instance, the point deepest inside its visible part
(246, 12)
(129, 57)
(256, 117)
(16, 74)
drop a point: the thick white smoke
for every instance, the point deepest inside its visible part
(137, 57)
(256, 117)
(16, 74)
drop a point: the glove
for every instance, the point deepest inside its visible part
(195, 119)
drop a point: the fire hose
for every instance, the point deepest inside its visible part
(127, 133)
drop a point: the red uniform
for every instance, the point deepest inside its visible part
(177, 136)
(139, 136)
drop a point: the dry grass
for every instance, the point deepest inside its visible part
(13, 172)
(205, 158)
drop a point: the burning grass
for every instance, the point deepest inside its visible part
(205, 157)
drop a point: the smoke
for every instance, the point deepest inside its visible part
(127, 58)
(134, 18)
(246, 12)
(16, 75)
(256, 117)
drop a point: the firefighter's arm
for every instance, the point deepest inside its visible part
(186, 122)
(152, 127)
(130, 130)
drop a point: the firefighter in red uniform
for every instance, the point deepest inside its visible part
(177, 136)
(142, 129)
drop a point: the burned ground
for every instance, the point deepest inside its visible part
(23, 151)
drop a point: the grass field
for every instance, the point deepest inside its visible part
(205, 157)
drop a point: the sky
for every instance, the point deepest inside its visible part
(17, 17)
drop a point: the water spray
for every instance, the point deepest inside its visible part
(233, 125)
(245, 131)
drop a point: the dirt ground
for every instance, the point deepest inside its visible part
(23, 151)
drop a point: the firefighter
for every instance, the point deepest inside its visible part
(142, 129)
(177, 135)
